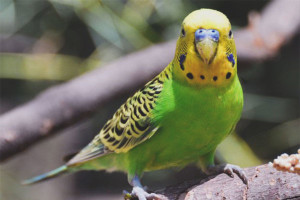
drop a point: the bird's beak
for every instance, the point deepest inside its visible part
(206, 42)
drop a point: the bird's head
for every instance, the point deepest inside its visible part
(205, 52)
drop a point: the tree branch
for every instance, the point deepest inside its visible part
(62, 105)
(264, 183)
(268, 31)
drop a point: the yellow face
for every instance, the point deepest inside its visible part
(205, 52)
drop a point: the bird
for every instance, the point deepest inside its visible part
(177, 118)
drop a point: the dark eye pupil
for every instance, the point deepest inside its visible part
(182, 32)
(230, 33)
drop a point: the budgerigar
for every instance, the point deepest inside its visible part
(177, 118)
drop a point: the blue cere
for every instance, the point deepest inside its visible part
(181, 60)
(230, 57)
(201, 34)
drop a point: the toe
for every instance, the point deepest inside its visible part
(242, 175)
(141, 194)
(237, 170)
(228, 170)
(153, 196)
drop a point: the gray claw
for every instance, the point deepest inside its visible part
(229, 170)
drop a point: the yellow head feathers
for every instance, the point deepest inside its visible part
(205, 52)
(208, 19)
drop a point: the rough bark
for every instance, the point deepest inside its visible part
(264, 183)
(62, 105)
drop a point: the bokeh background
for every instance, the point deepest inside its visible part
(48, 42)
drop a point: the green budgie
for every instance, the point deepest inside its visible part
(177, 118)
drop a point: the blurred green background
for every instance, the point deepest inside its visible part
(48, 42)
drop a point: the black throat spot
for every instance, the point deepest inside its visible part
(181, 60)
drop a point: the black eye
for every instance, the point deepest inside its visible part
(182, 32)
(230, 34)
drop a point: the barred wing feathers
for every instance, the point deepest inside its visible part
(129, 126)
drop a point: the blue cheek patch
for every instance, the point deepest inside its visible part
(181, 61)
(230, 57)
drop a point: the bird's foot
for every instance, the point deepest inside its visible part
(140, 194)
(230, 170)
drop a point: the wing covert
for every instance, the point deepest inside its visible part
(130, 125)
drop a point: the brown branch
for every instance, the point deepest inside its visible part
(264, 183)
(62, 105)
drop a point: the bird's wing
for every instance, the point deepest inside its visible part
(130, 125)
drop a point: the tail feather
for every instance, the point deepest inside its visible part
(46, 176)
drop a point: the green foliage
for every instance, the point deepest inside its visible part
(43, 66)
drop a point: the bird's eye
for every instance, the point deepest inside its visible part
(230, 34)
(182, 32)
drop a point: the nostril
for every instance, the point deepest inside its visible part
(200, 34)
(213, 31)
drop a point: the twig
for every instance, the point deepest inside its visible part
(62, 105)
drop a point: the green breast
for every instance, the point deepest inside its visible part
(193, 121)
